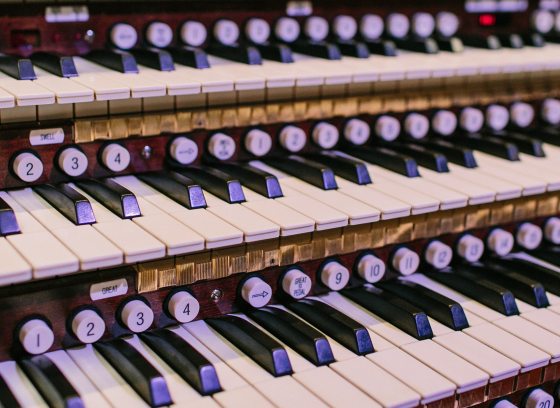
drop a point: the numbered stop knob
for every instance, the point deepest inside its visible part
(115, 157)
(36, 336)
(72, 161)
(292, 138)
(357, 131)
(370, 268)
(497, 117)
(552, 230)
(137, 316)
(470, 248)
(334, 275)
(123, 36)
(296, 284)
(256, 292)
(258, 142)
(325, 135)
(183, 307)
(471, 119)
(444, 122)
(438, 254)
(405, 261)
(88, 326)
(529, 236)
(27, 167)
(500, 241)
(538, 398)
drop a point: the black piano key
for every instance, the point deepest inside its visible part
(189, 56)
(142, 376)
(264, 183)
(441, 308)
(353, 48)
(51, 383)
(553, 38)
(455, 154)
(258, 345)
(522, 287)
(489, 42)
(245, 54)
(335, 324)
(534, 40)
(450, 44)
(154, 58)
(179, 188)
(68, 202)
(310, 171)
(511, 40)
(524, 143)
(550, 254)
(422, 45)
(548, 134)
(424, 156)
(481, 290)
(345, 167)
(116, 60)
(487, 144)
(395, 310)
(549, 278)
(7, 398)
(320, 49)
(276, 52)
(386, 48)
(216, 182)
(112, 195)
(62, 66)
(18, 68)
(184, 359)
(297, 334)
(8, 221)
(386, 158)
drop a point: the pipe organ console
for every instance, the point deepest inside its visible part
(290, 204)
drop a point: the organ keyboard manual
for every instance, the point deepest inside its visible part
(247, 203)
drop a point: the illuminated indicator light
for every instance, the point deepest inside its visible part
(487, 20)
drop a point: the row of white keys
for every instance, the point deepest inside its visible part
(356, 211)
(333, 72)
(177, 82)
(88, 245)
(216, 232)
(46, 255)
(25, 93)
(65, 90)
(136, 244)
(246, 77)
(104, 84)
(20, 386)
(503, 189)
(13, 268)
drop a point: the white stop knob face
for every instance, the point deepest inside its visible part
(27, 167)
(137, 316)
(370, 268)
(357, 131)
(183, 307)
(226, 32)
(296, 284)
(542, 21)
(256, 292)
(258, 142)
(557, 22)
(345, 27)
(115, 157)
(292, 138)
(397, 25)
(444, 122)
(522, 114)
(470, 248)
(550, 111)
(73, 162)
(257, 30)
(405, 261)
(539, 398)
(552, 230)
(287, 29)
(193, 33)
(183, 150)
(88, 326)
(334, 275)
(529, 236)
(416, 125)
(504, 404)
(325, 135)
(36, 336)
(497, 117)
(371, 27)
(447, 23)
(438, 254)
(221, 146)
(123, 36)
(423, 24)
(159, 34)
(387, 128)
(316, 28)
(500, 242)
(471, 119)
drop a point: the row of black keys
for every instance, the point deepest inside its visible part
(496, 283)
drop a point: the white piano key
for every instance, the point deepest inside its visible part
(177, 82)
(240, 397)
(104, 377)
(87, 391)
(13, 268)
(20, 386)
(461, 372)
(7, 100)
(476, 193)
(105, 86)
(385, 388)
(544, 167)
(65, 90)
(26, 93)
(246, 77)
(334, 73)
(544, 318)
(286, 392)
(502, 189)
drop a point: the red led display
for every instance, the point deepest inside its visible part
(487, 20)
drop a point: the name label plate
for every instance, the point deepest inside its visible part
(40, 137)
(109, 289)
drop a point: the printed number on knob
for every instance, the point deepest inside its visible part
(405, 261)
(296, 284)
(529, 236)
(256, 292)
(470, 248)
(221, 146)
(357, 131)
(334, 275)
(88, 326)
(325, 135)
(370, 268)
(183, 307)
(137, 316)
(500, 242)
(183, 150)
(539, 398)
(36, 336)
(27, 167)
(293, 138)
(115, 157)
(258, 142)
(438, 254)
(73, 161)
(387, 128)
